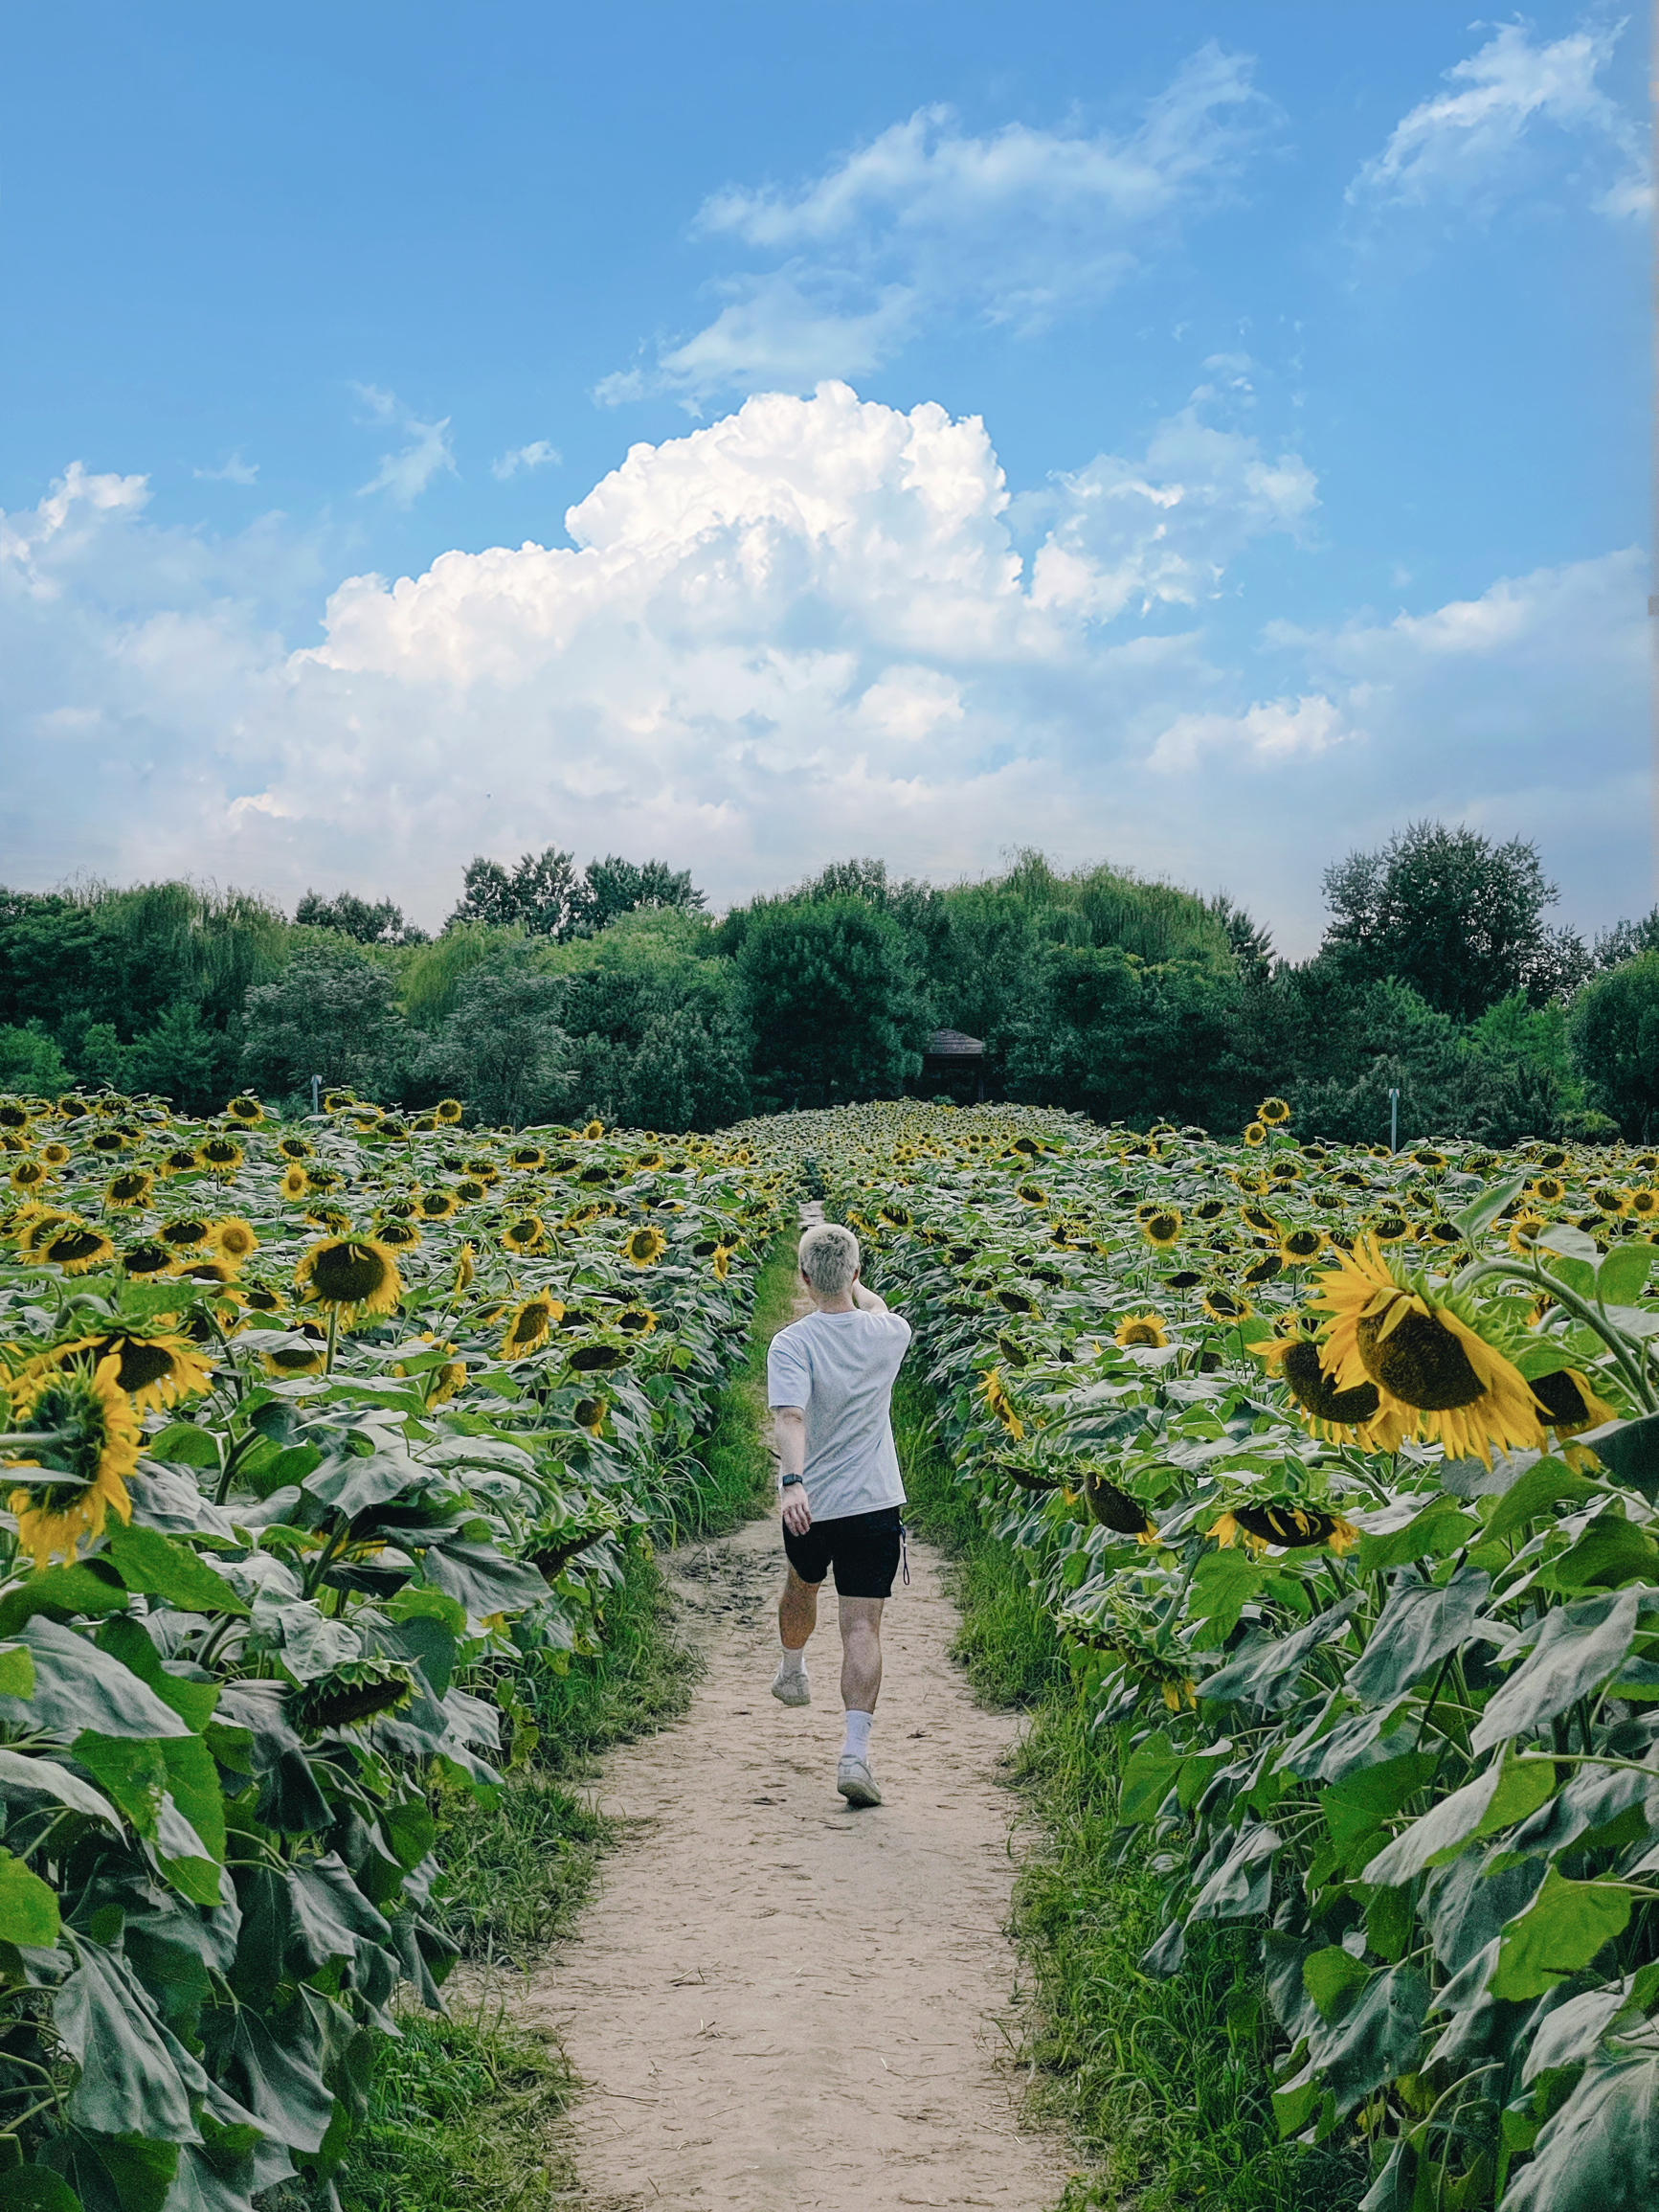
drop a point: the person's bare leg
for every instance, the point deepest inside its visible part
(861, 1653)
(797, 1612)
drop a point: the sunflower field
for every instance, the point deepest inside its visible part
(315, 1437)
(1337, 1471)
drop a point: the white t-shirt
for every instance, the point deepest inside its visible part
(839, 1368)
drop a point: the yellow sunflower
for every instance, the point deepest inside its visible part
(222, 1155)
(1569, 1404)
(720, 1261)
(463, 1269)
(359, 1274)
(1525, 1230)
(1287, 1525)
(154, 1369)
(232, 1237)
(436, 1205)
(400, 1235)
(146, 1258)
(245, 1110)
(305, 1353)
(1163, 1228)
(1298, 1246)
(295, 1182)
(1255, 1133)
(1146, 1329)
(527, 1330)
(999, 1403)
(54, 1155)
(294, 1147)
(643, 1246)
(74, 1246)
(28, 1175)
(1425, 1360)
(590, 1413)
(594, 1129)
(1273, 1112)
(1644, 1203)
(1225, 1306)
(636, 1321)
(130, 1189)
(82, 1434)
(1338, 1416)
(448, 1111)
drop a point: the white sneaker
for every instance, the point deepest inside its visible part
(790, 1686)
(855, 1783)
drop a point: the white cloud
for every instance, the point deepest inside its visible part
(1015, 229)
(1464, 145)
(405, 475)
(1276, 731)
(801, 632)
(235, 470)
(539, 454)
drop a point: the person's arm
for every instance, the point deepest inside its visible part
(789, 1427)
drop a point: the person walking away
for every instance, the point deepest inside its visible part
(829, 1382)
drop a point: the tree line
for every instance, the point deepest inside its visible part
(554, 990)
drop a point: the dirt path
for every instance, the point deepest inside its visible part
(776, 2003)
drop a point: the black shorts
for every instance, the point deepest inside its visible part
(863, 1548)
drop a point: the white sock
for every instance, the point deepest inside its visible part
(858, 1738)
(794, 1661)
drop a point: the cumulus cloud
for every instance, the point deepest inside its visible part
(235, 470)
(805, 630)
(539, 454)
(1465, 145)
(1014, 229)
(403, 475)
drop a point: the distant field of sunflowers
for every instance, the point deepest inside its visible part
(1337, 1470)
(315, 1437)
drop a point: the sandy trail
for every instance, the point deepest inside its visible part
(774, 2001)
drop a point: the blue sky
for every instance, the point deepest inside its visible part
(1204, 438)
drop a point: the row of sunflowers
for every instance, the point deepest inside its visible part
(1337, 1469)
(315, 1439)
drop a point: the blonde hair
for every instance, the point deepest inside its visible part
(829, 1258)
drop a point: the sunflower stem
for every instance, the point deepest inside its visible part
(1594, 1317)
(333, 1332)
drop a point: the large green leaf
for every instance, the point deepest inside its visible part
(1266, 1671)
(1330, 1977)
(168, 1789)
(1442, 1526)
(1148, 1780)
(131, 2081)
(36, 2189)
(1610, 1552)
(28, 1906)
(1577, 1647)
(1478, 1216)
(1505, 1793)
(77, 1687)
(1562, 1931)
(1375, 2040)
(17, 1771)
(279, 2082)
(1600, 2151)
(1546, 1484)
(1243, 1884)
(1357, 1807)
(89, 1586)
(128, 1641)
(1417, 1628)
(1629, 1451)
(150, 1560)
(118, 2173)
(1622, 1274)
(479, 1577)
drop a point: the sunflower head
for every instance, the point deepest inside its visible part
(357, 1273)
(148, 1258)
(222, 1155)
(131, 1189)
(337, 1101)
(1273, 1112)
(1255, 1133)
(1162, 1227)
(75, 1245)
(463, 1269)
(1225, 1306)
(436, 1205)
(55, 1154)
(233, 1238)
(524, 1234)
(1145, 1329)
(154, 1366)
(305, 1352)
(1298, 1246)
(643, 1246)
(1525, 1230)
(180, 1161)
(28, 1175)
(526, 1156)
(295, 1183)
(294, 1147)
(447, 1111)
(594, 1129)
(246, 1110)
(721, 1260)
(590, 1413)
(71, 1478)
(400, 1235)
(1568, 1404)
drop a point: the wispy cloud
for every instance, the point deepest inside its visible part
(235, 470)
(538, 454)
(1466, 145)
(405, 475)
(1014, 229)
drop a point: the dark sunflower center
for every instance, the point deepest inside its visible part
(140, 1363)
(73, 1244)
(1316, 1392)
(1420, 1362)
(532, 1322)
(1140, 1333)
(346, 1274)
(1562, 1398)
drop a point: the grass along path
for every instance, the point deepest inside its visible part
(468, 2107)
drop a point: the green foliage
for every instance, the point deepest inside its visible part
(381, 924)
(30, 1060)
(834, 1005)
(502, 1045)
(1614, 1035)
(332, 1012)
(317, 1624)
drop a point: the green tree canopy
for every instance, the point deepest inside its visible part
(332, 1012)
(836, 1009)
(381, 924)
(1613, 1033)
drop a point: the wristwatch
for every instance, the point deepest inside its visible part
(790, 1482)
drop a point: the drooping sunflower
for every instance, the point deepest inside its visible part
(1273, 1112)
(469, 1189)
(129, 1190)
(89, 1440)
(1210, 1210)
(448, 1111)
(1525, 1230)
(221, 1155)
(721, 1260)
(526, 1156)
(203, 1267)
(1391, 1229)
(463, 1269)
(1338, 1416)
(1644, 1204)
(1255, 1133)
(294, 1147)
(184, 1231)
(643, 1246)
(590, 1413)
(1145, 1329)
(1290, 1525)
(1569, 1404)
(598, 1358)
(29, 1175)
(1163, 1228)
(1225, 1306)
(400, 1235)
(54, 1154)
(246, 1110)
(75, 1245)
(999, 1403)
(295, 1183)
(326, 1214)
(1298, 1246)
(636, 1321)
(146, 1258)
(1116, 1509)
(1548, 1190)
(180, 1161)
(155, 1367)
(232, 1237)
(526, 1332)
(304, 1352)
(1265, 1268)
(1426, 1359)
(358, 1273)
(436, 1205)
